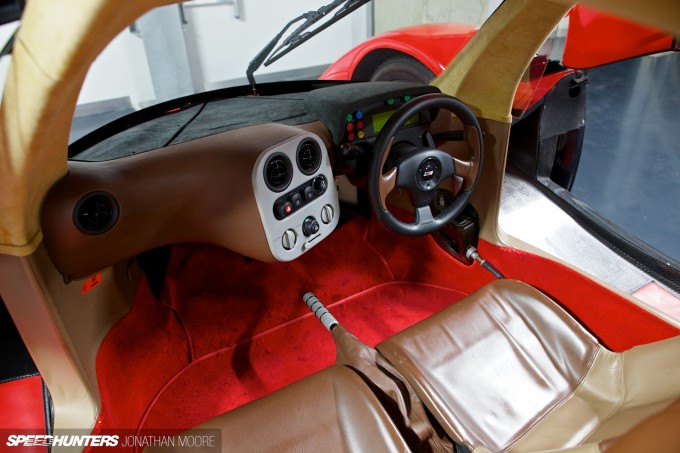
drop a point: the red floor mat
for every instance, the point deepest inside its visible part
(617, 323)
(229, 330)
(232, 376)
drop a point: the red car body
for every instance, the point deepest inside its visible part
(593, 39)
(434, 45)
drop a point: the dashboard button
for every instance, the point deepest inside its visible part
(310, 226)
(327, 214)
(319, 184)
(296, 199)
(309, 193)
(284, 209)
(289, 239)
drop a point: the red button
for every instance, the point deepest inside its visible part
(350, 136)
(349, 126)
(360, 125)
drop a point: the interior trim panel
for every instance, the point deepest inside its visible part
(305, 211)
(212, 197)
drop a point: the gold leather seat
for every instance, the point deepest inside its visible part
(330, 411)
(507, 369)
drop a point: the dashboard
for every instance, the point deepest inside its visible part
(255, 175)
(295, 195)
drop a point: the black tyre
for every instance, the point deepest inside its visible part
(402, 68)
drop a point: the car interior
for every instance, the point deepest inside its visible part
(317, 266)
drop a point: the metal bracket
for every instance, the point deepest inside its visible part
(236, 4)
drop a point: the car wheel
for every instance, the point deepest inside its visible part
(402, 68)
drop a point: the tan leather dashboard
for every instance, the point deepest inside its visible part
(204, 190)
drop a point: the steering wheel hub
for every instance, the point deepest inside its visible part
(429, 173)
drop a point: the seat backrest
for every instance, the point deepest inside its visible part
(330, 411)
(489, 369)
(507, 369)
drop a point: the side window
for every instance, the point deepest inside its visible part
(629, 171)
(596, 161)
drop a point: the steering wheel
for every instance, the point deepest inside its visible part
(420, 170)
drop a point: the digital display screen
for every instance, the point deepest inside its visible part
(379, 120)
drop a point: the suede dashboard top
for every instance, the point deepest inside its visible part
(328, 105)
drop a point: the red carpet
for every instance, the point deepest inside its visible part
(230, 330)
(22, 412)
(234, 375)
(616, 322)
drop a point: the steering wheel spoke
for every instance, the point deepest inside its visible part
(469, 169)
(387, 184)
(466, 171)
(423, 216)
(448, 167)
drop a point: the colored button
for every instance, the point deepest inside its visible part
(349, 127)
(407, 98)
(296, 200)
(360, 134)
(349, 117)
(360, 125)
(359, 115)
(390, 101)
(351, 136)
(283, 209)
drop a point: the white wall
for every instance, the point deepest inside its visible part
(221, 45)
(220, 36)
(120, 71)
(6, 32)
(391, 14)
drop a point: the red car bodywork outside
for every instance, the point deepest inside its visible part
(593, 39)
(434, 45)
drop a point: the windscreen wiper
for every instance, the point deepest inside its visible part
(271, 53)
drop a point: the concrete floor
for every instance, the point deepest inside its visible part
(630, 166)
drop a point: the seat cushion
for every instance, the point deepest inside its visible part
(330, 411)
(657, 433)
(490, 366)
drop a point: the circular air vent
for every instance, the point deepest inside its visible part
(96, 213)
(308, 156)
(277, 172)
